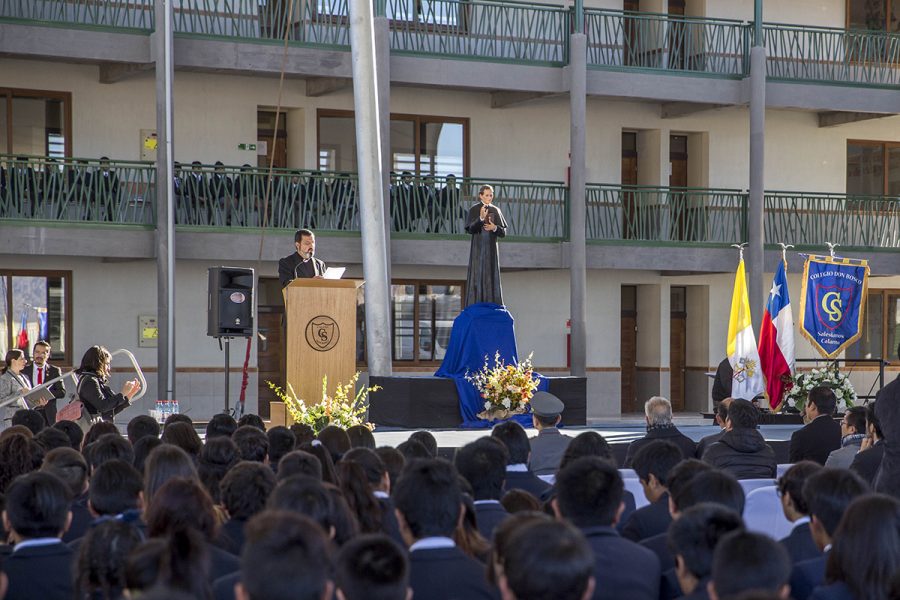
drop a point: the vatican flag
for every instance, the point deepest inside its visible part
(747, 381)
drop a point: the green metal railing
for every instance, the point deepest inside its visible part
(664, 214)
(662, 42)
(120, 14)
(482, 29)
(811, 219)
(77, 190)
(831, 55)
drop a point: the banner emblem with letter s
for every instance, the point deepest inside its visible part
(322, 333)
(833, 302)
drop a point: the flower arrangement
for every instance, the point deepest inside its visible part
(505, 389)
(342, 409)
(828, 376)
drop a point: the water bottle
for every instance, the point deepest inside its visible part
(177, 409)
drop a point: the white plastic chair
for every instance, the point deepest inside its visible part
(780, 470)
(633, 485)
(628, 473)
(751, 484)
(763, 513)
(551, 478)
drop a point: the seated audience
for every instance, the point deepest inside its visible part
(589, 495)
(217, 457)
(652, 464)
(19, 454)
(868, 460)
(692, 539)
(887, 481)
(361, 437)
(51, 438)
(428, 500)
(220, 425)
(96, 431)
(713, 486)
(741, 450)
(799, 543)
(744, 562)
(69, 466)
(853, 432)
(318, 449)
(822, 434)
(412, 449)
(100, 565)
(502, 535)
(426, 439)
(176, 562)
(336, 440)
(71, 429)
(116, 491)
(547, 560)
(281, 441)
(316, 500)
(373, 474)
(516, 501)
(466, 535)
(185, 437)
(720, 418)
(177, 418)
(483, 464)
(142, 450)
(36, 514)
(658, 415)
(518, 475)
(252, 443)
(183, 504)
(286, 557)
(865, 555)
(828, 493)
(110, 446)
(253, 421)
(303, 432)
(141, 426)
(29, 418)
(548, 446)
(372, 567)
(164, 463)
(299, 462)
(393, 461)
(245, 490)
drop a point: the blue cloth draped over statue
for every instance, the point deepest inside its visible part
(480, 330)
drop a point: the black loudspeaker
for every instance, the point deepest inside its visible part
(230, 302)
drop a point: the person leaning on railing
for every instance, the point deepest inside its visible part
(93, 386)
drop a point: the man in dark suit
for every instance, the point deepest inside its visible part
(887, 403)
(372, 566)
(245, 490)
(115, 493)
(548, 447)
(589, 495)
(302, 263)
(745, 561)
(721, 416)
(693, 539)
(828, 494)
(71, 468)
(429, 502)
(40, 371)
(822, 433)
(483, 464)
(871, 453)
(652, 463)
(799, 543)
(518, 475)
(658, 415)
(37, 514)
(741, 450)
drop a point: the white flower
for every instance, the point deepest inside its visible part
(842, 405)
(506, 403)
(487, 405)
(792, 403)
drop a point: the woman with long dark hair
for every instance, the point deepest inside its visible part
(13, 384)
(93, 386)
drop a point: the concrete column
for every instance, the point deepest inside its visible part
(371, 184)
(756, 204)
(165, 202)
(577, 205)
(383, 62)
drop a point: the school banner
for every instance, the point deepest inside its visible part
(833, 302)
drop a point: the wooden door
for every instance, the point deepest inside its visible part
(269, 355)
(677, 346)
(678, 178)
(630, 226)
(628, 349)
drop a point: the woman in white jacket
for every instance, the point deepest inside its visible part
(13, 384)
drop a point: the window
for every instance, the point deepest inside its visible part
(35, 123)
(874, 15)
(873, 168)
(422, 314)
(881, 328)
(421, 145)
(42, 300)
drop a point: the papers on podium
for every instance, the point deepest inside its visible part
(334, 272)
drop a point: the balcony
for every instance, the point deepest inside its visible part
(41, 192)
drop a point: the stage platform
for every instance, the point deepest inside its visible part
(433, 403)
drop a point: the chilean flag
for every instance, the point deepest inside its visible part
(776, 339)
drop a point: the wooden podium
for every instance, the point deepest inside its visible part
(321, 336)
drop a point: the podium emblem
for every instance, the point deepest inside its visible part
(322, 333)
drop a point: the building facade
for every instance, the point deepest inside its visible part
(479, 93)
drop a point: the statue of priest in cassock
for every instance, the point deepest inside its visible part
(486, 225)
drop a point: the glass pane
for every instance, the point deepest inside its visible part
(446, 302)
(403, 146)
(893, 325)
(3, 129)
(869, 345)
(893, 171)
(677, 299)
(4, 320)
(29, 312)
(629, 297)
(55, 329)
(678, 144)
(866, 14)
(426, 331)
(865, 169)
(337, 144)
(442, 149)
(37, 125)
(402, 315)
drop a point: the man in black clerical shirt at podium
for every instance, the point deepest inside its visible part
(301, 263)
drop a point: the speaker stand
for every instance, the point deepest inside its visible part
(227, 341)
